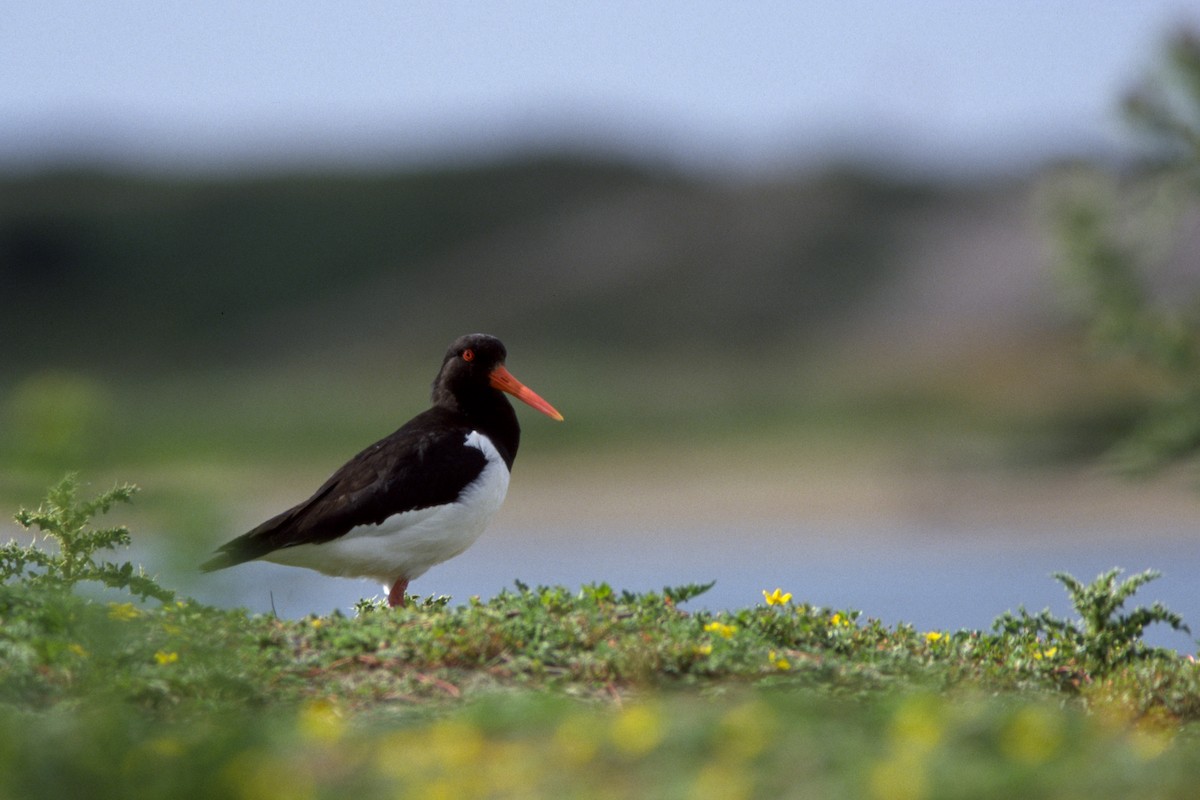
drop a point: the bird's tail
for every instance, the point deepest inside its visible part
(220, 561)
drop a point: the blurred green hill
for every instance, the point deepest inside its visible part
(157, 269)
(158, 273)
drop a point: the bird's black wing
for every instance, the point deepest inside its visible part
(423, 464)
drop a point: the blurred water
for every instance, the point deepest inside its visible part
(934, 578)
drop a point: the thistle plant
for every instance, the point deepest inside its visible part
(65, 520)
(1107, 637)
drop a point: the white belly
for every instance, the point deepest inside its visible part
(405, 545)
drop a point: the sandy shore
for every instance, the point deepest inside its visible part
(723, 489)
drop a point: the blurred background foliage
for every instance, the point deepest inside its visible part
(1128, 243)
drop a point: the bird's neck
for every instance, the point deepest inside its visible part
(495, 418)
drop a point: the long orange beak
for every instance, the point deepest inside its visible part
(503, 380)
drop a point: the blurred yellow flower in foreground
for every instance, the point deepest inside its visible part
(778, 661)
(577, 738)
(720, 628)
(934, 636)
(637, 729)
(1034, 735)
(321, 720)
(163, 658)
(123, 612)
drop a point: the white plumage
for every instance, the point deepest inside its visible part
(406, 545)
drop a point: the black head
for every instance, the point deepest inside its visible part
(473, 375)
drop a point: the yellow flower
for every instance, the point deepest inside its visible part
(77, 649)
(165, 747)
(164, 658)
(777, 597)
(1033, 736)
(578, 738)
(320, 720)
(724, 780)
(123, 612)
(316, 622)
(934, 636)
(837, 620)
(703, 649)
(1047, 653)
(721, 629)
(918, 725)
(637, 730)
(778, 661)
(899, 776)
(1149, 743)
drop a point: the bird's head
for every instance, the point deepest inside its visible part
(474, 364)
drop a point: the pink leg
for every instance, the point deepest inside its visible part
(396, 596)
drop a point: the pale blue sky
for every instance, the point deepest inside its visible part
(729, 85)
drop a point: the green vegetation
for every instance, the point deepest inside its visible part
(65, 521)
(553, 692)
(1107, 637)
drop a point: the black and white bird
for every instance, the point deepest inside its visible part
(416, 498)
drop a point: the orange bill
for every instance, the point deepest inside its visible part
(503, 380)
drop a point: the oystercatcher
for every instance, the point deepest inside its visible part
(416, 498)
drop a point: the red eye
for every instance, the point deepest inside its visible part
(468, 355)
